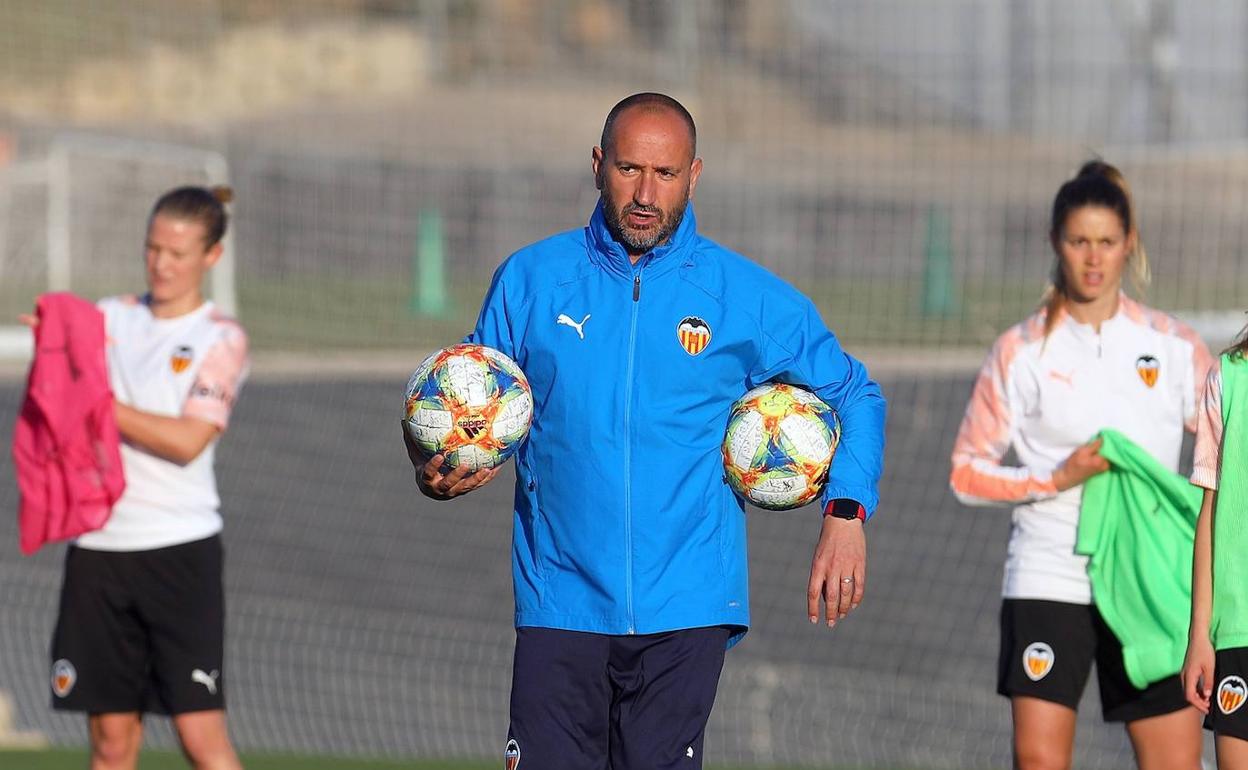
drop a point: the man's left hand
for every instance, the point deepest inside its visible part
(839, 571)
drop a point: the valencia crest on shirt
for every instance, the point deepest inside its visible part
(1148, 368)
(694, 334)
(181, 358)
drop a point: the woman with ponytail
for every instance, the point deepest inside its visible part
(1089, 358)
(141, 620)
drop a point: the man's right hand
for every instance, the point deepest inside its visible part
(443, 486)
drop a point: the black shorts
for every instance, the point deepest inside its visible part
(1047, 650)
(1228, 714)
(582, 700)
(141, 630)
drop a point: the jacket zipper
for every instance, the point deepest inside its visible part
(628, 456)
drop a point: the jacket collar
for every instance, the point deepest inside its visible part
(608, 254)
(1128, 310)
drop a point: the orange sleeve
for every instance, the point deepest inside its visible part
(978, 477)
(1202, 363)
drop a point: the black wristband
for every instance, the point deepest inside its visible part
(844, 508)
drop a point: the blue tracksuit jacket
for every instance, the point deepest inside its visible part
(623, 521)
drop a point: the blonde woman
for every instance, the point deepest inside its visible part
(1090, 358)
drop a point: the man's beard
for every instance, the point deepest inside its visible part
(641, 241)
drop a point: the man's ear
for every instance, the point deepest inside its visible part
(597, 158)
(695, 171)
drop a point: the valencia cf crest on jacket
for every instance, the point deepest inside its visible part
(694, 334)
(181, 358)
(1148, 368)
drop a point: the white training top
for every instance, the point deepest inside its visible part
(192, 365)
(1141, 375)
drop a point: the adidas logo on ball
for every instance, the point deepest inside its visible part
(469, 403)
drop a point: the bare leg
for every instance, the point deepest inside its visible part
(205, 741)
(115, 740)
(1232, 752)
(1167, 742)
(1044, 734)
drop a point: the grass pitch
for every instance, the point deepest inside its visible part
(75, 759)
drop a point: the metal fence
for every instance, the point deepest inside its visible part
(895, 160)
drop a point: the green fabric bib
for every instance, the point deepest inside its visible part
(1137, 525)
(1230, 527)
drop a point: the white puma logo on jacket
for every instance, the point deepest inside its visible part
(567, 321)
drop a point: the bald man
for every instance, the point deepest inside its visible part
(637, 334)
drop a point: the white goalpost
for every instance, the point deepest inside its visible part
(72, 219)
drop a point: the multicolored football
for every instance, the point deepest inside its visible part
(470, 403)
(779, 445)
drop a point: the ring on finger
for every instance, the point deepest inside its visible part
(847, 580)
